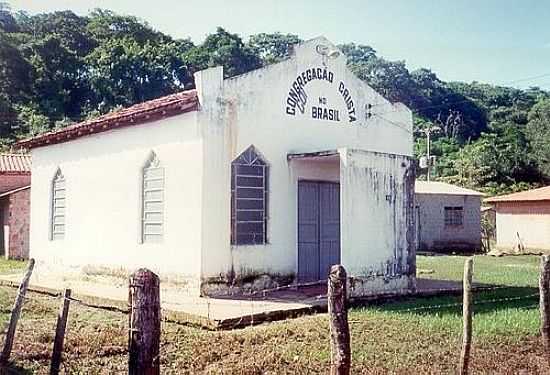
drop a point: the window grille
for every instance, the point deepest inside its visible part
(58, 206)
(153, 201)
(249, 199)
(454, 216)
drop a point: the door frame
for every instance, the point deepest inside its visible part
(321, 181)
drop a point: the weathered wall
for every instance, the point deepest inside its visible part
(434, 235)
(253, 109)
(529, 220)
(18, 221)
(377, 221)
(13, 181)
(103, 171)
(103, 206)
(4, 216)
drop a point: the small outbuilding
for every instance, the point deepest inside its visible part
(448, 217)
(15, 180)
(523, 220)
(273, 175)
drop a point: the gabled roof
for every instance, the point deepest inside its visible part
(15, 164)
(436, 187)
(540, 194)
(166, 106)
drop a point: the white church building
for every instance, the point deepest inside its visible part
(282, 171)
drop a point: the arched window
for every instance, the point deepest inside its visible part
(249, 199)
(57, 225)
(152, 229)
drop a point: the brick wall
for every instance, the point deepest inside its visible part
(13, 181)
(18, 220)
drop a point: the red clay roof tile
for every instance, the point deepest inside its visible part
(15, 163)
(166, 106)
(540, 194)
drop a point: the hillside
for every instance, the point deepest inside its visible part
(58, 68)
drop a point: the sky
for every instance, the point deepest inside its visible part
(504, 42)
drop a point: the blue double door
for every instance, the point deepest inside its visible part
(318, 229)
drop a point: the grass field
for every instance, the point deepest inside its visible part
(385, 338)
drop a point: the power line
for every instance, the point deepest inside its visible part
(416, 110)
(400, 125)
(526, 79)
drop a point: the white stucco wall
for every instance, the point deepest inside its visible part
(528, 220)
(377, 220)
(103, 177)
(435, 235)
(103, 188)
(251, 110)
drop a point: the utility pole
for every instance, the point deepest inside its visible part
(428, 132)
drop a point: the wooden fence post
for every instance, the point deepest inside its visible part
(544, 306)
(467, 316)
(15, 312)
(144, 332)
(340, 359)
(60, 333)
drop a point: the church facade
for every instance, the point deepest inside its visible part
(279, 172)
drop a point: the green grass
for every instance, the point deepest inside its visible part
(385, 338)
(510, 270)
(8, 266)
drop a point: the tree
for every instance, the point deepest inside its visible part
(357, 53)
(225, 49)
(472, 165)
(30, 121)
(538, 133)
(59, 67)
(124, 72)
(15, 71)
(8, 23)
(8, 116)
(69, 28)
(273, 48)
(106, 25)
(58, 81)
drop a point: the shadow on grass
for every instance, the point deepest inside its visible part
(12, 369)
(485, 301)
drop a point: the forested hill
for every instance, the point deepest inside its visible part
(58, 68)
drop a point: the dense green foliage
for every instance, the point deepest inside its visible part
(57, 68)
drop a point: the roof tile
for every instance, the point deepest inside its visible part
(436, 187)
(540, 194)
(166, 106)
(15, 163)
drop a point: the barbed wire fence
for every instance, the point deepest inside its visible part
(252, 307)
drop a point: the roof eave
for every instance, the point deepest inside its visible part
(99, 126)
(448, 193)
(517, 200)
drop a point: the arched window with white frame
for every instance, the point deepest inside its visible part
(59, 205)
(152, 219)
(249, 198)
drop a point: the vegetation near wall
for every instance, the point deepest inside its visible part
(58, 68)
